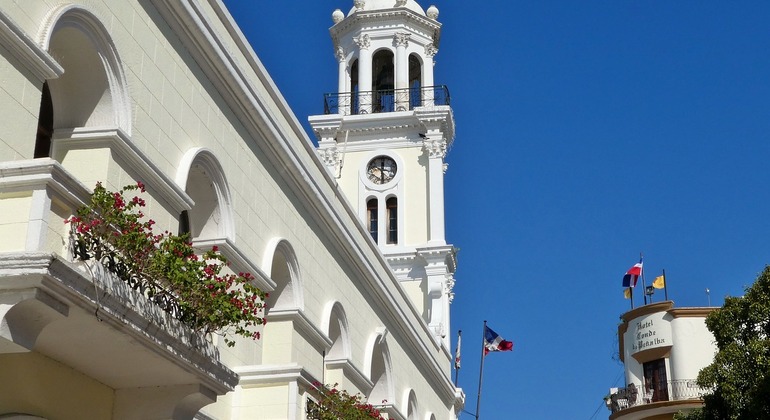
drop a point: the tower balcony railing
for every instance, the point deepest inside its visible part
(635, 395)
(385, 100)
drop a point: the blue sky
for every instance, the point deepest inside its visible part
(587, 132)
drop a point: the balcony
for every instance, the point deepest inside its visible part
(637, 395)
(84, 339)
(388, 100)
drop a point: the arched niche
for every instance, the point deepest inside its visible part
(335, 326)
(93, 91)
(282, 267)
(204, 181)
(379, 368)
(410, 405)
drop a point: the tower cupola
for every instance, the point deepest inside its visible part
(384, 136)
(385, 51)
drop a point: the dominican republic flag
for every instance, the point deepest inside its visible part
(457, 351)
(632, 275)
(493, 342)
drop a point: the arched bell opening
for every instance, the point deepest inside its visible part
(415, 81)
(384, 79)
(354, 88)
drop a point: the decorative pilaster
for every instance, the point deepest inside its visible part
(439, 268)
(363, 42)
(431, 50)
(330, 156)
(401, 41)
(364, 74)
(342, 76)
(436, 148)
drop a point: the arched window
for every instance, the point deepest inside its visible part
(384, 78)
(203, 219)
(392, 222)
(337, 331)
(411, 408)
(204, 181)
(93, 91)
(380, 372)
(44, 124)
(415, 82)
(284, 271)
(184, 223)
(371, 214)
(354, 87)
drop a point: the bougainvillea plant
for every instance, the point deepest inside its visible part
(165, 267)
(335, 404)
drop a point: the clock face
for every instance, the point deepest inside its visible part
(381, 170)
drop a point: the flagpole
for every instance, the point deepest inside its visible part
(457, 355)
(644, 287)
(665, 284)
(631, 292)
(481, 370)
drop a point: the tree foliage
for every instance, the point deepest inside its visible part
(740, 373)
(111, 229)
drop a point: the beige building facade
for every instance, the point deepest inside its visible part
(663, 349)
(171, 94)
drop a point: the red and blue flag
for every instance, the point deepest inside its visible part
(632, 275)
(493, 342)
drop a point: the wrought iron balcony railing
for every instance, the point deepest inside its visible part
(637, 394)
(388, 100)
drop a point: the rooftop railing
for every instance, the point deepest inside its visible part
(386, 100)
(652, 392)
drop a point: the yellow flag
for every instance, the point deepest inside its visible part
(659, 283)
(627, 293)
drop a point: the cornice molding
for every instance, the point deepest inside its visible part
(30, 54)
(696, 312)
(303, 325)
(377, 18)
(116, 140)
(256, 375)
(44, 173)
(351, 372)
(238, 260)
(647, 309)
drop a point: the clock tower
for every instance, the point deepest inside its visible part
(384, 136)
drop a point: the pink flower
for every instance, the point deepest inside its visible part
(214, 248)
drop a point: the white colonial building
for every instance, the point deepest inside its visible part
(662, 348)
(170, 93)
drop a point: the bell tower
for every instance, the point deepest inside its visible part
(384, 136)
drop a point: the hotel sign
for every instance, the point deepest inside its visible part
(649, 332)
